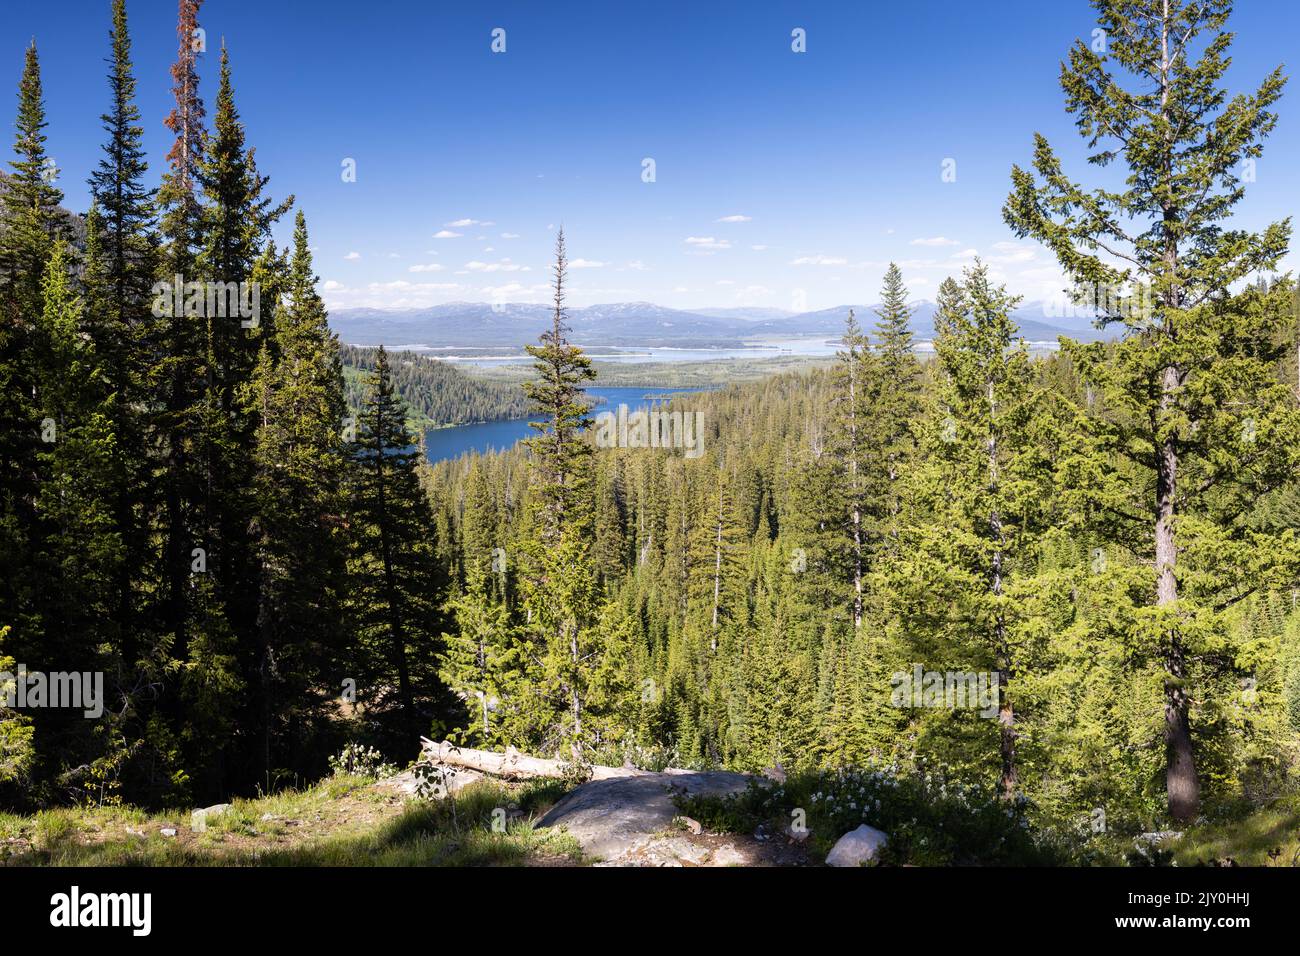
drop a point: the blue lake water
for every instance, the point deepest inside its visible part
(443, 443)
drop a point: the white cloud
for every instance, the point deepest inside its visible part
(736, 218)
(936, 241)
(399, 294)
(586, 264)
(758, 248)
(514, 292)
(707, 242)
(446, 234)
(819, 260)
(462, 223)
(505, 265)
(352, 256)
(1012, 252)
(636, 265)
(426, 267)
(509, 235)
(329, 285)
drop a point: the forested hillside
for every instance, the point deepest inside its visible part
(733, 631)
(1057, 590)
(435, 393)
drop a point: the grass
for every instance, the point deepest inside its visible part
(1268, 837)
(341, 821)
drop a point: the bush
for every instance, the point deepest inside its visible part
(358, 760)
(930, 819)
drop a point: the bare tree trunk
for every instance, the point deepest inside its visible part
(516, 765)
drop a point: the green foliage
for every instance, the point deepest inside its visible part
(436, 393)
(930, 819)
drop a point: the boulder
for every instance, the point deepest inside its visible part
(614, 818)
(857, 847)
(199, 818)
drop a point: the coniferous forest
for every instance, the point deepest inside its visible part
(1051, 591)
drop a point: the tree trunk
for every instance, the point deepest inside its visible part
(1181, 785)
(513, 764)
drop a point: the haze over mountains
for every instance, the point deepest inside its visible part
(646, 325)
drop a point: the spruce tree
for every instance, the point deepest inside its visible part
(30, 223)
(396, 585)
(561, 594)
(181, 368)
(985, 486)
(299, 541)
(895, 405)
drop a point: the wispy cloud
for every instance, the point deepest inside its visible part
(936, 241)
(426, 267)
(708, 243)
(586, 264)
(736, 218)
(505, 265)
(446, 234)
(819, 260)
(352, 256)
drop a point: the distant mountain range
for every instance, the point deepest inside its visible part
(474, 325)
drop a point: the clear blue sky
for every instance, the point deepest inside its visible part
(833, 155)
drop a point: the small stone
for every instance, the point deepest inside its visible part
(691, 824)
(168, 831)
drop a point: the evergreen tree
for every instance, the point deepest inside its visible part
(30, 223)
(76, 543)
(895, 405)
(118, 283)
(855, 378)
(561, 594)
(985, 489)
(181, 368)
(1195, 372)
(395, 583)
(299, 543)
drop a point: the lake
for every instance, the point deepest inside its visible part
(443, 443)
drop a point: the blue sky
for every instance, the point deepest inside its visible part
(782, 179)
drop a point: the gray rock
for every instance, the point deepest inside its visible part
(614, 818)
(199, 818)
(168, 831)
(857, 847)
(728, 855)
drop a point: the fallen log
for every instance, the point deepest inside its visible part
(512, 763)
